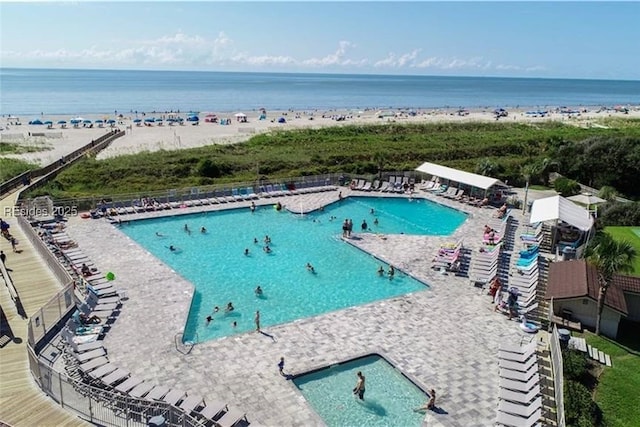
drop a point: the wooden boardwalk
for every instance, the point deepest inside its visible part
(22, 403)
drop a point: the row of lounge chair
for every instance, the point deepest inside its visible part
(86, 356)
(520, 399)
(212, 198)
(395, 184)
(486, 264)
(451, 192)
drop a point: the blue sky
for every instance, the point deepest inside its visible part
(519, 39)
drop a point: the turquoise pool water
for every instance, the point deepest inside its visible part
(389, 399)
(344, 275)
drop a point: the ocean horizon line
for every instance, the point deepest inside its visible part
(324, 74)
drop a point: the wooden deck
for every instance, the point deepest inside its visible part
(22, 403)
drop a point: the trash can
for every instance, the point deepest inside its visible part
(157, 421)
(568, 253)
(564, 335)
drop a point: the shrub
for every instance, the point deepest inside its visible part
(575, 365)
(567, 187)
(580, 409)
(619, 213)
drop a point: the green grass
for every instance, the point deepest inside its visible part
(355, 149)
(626, 233)
(14, 167)
(618, 390)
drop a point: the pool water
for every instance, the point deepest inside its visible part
(389, 398)
(214, 262)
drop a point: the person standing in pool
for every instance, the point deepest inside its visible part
(365, 226)
(359, 389)
(392, 272)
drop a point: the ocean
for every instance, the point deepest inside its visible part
(35, 91)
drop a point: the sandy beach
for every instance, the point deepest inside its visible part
(48, 144)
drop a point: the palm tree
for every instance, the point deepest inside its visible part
(528, 171)
(380, 159)
(609, 256)
(545, 167)
(487, 167)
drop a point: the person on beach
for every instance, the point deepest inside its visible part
(3, 256)
(359, 389)
(14, 244)
(281, 366)
(257, 320)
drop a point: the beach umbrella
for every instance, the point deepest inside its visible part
(193, 118)
(111, 121)
(36, 122)
(62, 122)
(48, 122)
(137, 120)
(149, 120)
(282, 120)
(99, 121)
(240, 115)
(86, 121)
(586, 199)
(75, 121)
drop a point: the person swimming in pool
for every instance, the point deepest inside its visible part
(246, 252)
(359, 389)
(203, 230)
(159, 234)
(229, 308)
(392, 272)
(173, 248)
(258, 291)
(381, 271)
(267, 249)
(310, 268)
(186, 228)
(209, 319)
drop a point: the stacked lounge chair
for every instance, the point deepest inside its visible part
(520, 403)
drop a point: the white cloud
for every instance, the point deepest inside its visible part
(192, 51)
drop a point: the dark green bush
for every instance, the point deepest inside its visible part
(575, 365)
(567, 187)
(619, 213)
(580, 409)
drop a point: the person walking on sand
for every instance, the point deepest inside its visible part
(14, 244)
(359, 388)
(3, 256)
(281, 366)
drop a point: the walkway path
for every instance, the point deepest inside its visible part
(21, 401)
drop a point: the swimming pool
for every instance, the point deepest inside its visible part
(389, 399)
(344, 275)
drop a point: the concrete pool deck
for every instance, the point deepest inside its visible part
(445, 337)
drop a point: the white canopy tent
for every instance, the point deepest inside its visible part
(557, 208)
(468, 178)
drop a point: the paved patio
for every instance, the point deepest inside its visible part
(445, 337)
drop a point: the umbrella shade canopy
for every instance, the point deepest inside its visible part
(158, 119)
(282, 120)
(62, 122)
(75, 121)
(150, 120)
(193, 118)
(137, 120)
(240, 115)
(87, 121)
(48, 122)
(36, 122)
(111, 121)
(586, 199)
(99, 121)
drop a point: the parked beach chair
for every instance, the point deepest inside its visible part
(102, 371)
(141, 389)
(88, 355)
(190, 403)
(509, 420)
(68, 338)
(213, 410)
(529, 350)
(92, 364)
(157, 393)
(231, 418)
(129, 384)
(384, 187)
(174, 397)
(115, 376)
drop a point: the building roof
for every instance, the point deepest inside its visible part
(627, 283)
(558, 208)
(578, 279)
(472, 179)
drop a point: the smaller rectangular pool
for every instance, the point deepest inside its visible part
(389, 399)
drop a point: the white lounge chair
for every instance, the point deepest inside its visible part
(157, 393)
(141, 389)
(115, 376)
(520, 386)
(102, 371)
(92, 364)
(88, 355)
(191, 402)
(509, 420)
(174, 396)
(519, 366)
(519, 409)
(231, 418)
(129, 384)
(517, 375)
(213, 410)
(518, 396)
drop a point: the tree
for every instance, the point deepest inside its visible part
(608, 193)
(380, 159)
(545, 167)
(487, 167)
(528, 171)
(609, 256)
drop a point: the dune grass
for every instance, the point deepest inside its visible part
(627, 233)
